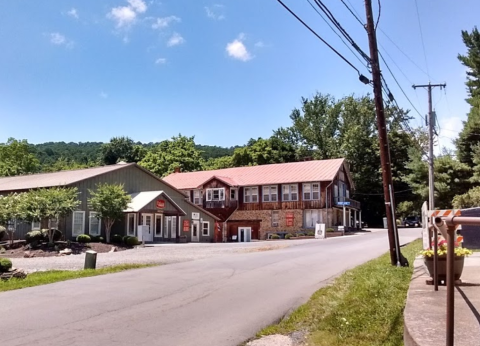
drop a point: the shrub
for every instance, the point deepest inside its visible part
(97, 239)
(288, 236)
(330, 230)
(274, 236)
(117, 239)
(5, 264)
(311, 234)
(57, 235)
(131, 241)
(84, 238)
(33, 237)
(300, 234)
(125, 239)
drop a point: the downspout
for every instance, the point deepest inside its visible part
(326, 200)
(228, 218)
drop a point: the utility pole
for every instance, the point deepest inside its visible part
(431, 125)
(395, 256)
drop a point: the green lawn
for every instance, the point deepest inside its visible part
(48, 277)
(363, 307)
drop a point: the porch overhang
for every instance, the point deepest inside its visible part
(142, 199)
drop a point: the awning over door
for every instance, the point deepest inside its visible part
(152, 200)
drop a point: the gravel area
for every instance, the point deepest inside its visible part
(158, 254)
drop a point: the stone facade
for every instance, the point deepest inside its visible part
(265, 217)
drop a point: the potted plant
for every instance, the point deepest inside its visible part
(460, 254)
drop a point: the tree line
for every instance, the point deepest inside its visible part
(321, 128)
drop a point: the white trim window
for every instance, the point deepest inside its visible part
(131, 224)
(312, 216)
(217, 194)
(78, 223)
(197, 197)
(94, 224)
(36, 225)
(311, 191)
(290, 192)
(275, 218)
(250, 194)
(270, 193)
(205, 228)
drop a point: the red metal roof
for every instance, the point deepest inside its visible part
(281, 173)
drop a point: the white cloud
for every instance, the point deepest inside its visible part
(57, 38)
(124, 16)
(175, 40)
(161, 61)
(164, 22)
(138, 5)
(103, 95)
(60, 40)
(73, 13)
(259, 44)
(216, 12)
(237, 50)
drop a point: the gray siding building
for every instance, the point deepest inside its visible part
(158, 211)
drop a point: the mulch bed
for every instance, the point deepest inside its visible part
(45, 251)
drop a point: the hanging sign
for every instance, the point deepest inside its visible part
(160, 204)
(186, 225)
(289, 219)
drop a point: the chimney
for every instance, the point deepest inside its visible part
(177, 169)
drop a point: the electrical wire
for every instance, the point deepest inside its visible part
(345, 34)
(421, 35)
(378, 194)
(336, 33)
(356, 15)
(318, 36)
(379, 13)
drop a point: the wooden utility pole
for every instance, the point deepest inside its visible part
(395, 256)
(431, 125)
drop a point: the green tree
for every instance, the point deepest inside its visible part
(470, 134)
(52, 204)
(179, 152)
(122, 149)
(218, 163)
(16, 158)
(468, 200)
(109, 201)
(264, 151)
(10, 213)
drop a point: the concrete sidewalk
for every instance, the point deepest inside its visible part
(425, 312)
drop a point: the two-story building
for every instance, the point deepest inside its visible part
(252, 201)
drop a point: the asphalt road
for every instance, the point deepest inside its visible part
(216, 301)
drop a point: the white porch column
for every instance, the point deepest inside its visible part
(360, 221)
(344, 216)
(355, 218)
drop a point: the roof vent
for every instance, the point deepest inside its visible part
(121, 163)
(177, 170)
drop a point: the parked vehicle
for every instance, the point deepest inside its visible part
(412, 221)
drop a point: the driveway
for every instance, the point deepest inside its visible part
(222, 300)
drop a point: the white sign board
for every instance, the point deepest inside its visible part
(320, 231)
(425, 235)
(195, 216)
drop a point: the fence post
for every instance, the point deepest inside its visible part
(90, 260)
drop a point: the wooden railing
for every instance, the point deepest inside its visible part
(348, 202)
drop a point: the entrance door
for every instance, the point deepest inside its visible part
(244, 234)
(195, 231)
(147, 220)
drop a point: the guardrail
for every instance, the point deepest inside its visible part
(447, 226)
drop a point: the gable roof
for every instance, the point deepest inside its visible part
(141, 199)
(62, 178)
(280, 173)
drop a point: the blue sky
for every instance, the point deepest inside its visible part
(224, 71)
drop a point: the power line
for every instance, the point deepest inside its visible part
(379, 13)
(356, 15)
(345, 34)
(398, 84)
(421, 35)
(319, 37)
(336, 33)
(379, 194)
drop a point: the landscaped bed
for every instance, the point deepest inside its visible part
(44, 250)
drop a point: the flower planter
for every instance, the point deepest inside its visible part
(442, 267)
